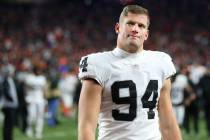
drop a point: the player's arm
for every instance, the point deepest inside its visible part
(168, 124)
(89, 107)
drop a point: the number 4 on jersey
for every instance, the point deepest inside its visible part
(83, 65)
(152, 88)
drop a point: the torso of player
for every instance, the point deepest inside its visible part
(35, 90)
(131, 89)
(177, 91)
(68, 84)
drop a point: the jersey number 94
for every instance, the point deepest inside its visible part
(131, 100)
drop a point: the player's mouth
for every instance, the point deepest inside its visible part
(133, 36)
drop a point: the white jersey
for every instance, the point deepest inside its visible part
(196, 72)
(35, 88)
(177, 90)
(67, 87)
(131, 89)
(68, 84)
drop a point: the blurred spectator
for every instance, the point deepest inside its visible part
(53, 98)
(36, 91)
(67, 86)
(76, 97)
(9, 101)
(196, 71)
(179, 84)
(21, 119)
(204, 85)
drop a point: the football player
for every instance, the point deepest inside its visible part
(127, 90)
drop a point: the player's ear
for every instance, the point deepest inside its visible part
(117, 28)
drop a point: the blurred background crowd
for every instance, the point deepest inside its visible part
(41, 43)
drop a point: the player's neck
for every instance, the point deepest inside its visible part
(132, 51)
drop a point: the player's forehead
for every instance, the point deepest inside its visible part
(137, 18)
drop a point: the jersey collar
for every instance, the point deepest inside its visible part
(121, 53)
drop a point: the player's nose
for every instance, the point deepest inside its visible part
(135, 28)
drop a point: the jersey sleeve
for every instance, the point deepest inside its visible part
(169, 68)
(91, 66)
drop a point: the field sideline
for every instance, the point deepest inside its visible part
(67, 130)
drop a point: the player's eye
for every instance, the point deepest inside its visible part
(141, 26)
(130, 23)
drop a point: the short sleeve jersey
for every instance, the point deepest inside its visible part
(131, 89)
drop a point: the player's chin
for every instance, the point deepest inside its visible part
(133, 46)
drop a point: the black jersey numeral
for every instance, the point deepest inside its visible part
(131, 100)
(152, 88)
(83, 65)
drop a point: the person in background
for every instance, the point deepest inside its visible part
(21, 92)
(35, 97)
(9, 100)
(192, 111)
(204, 85)
(179, 84)
(67, 86)
(76, 98)
(53, 98)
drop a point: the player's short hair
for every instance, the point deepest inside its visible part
(135, 9)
